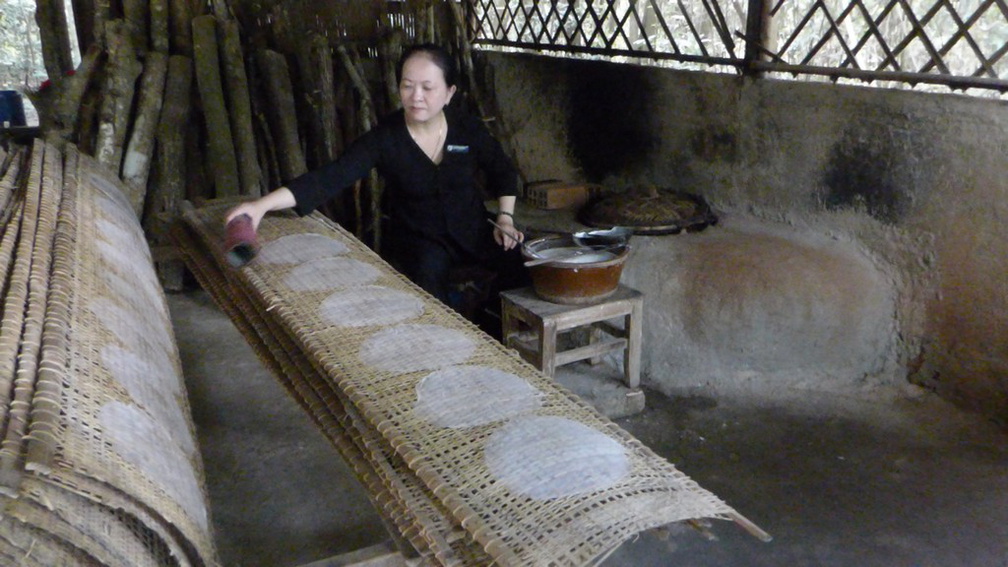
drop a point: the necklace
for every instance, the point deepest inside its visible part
(432, 152)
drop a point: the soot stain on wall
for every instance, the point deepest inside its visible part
(868, 168)
(610, 128)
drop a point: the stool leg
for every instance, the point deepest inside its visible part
(509, 323)
(594, 336)
(547, 346)
(632, 354)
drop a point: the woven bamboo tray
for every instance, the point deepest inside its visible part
(561, 525)
(98, 461)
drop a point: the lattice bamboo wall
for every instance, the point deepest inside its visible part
(961, 44)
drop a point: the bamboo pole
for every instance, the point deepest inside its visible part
(139, 151)
(168, 187)
(121, 74)
(222, 161)
(240, 108)
(281, 113)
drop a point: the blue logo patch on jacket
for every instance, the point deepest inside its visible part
(458, 149)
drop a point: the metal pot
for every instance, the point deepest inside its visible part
(574, 278)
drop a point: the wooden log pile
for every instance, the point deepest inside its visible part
(188, 101)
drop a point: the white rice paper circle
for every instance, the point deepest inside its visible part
(370, 305)
(144, 443)
(469, 396)
(414, 347)
(331, 273)
(156, 388)
(136, 331)
(546, 457)
(300, 248)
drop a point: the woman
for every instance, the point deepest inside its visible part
(429, 157)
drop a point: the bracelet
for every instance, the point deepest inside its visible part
(506, 213)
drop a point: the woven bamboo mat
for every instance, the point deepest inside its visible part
(401, 500)
(530, 472)
(98, 460)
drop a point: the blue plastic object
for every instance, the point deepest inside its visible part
(11, 109)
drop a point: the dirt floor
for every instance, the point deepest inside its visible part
(886, 479)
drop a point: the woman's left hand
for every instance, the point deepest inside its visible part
(507, 225)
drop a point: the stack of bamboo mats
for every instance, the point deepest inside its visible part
(98, 462)
(473, 455)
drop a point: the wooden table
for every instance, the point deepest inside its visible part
(531, 326)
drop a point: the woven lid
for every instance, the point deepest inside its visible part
(650, 211)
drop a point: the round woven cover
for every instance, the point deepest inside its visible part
(650, 211)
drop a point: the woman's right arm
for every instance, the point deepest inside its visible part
(278, 199)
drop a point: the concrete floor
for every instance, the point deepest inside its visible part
(886, 479)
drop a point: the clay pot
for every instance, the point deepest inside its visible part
(580, 275)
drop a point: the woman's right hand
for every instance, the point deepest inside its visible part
(280, 198)
(253, 209)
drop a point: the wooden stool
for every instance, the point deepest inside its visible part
(531, 325)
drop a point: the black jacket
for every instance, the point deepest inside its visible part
(434, 201)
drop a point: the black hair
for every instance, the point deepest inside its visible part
(438, 55)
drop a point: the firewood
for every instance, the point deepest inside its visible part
(50, 15)
(135, 14)
(390, 48)
(168, 183)
(139, 151)
(121, 74)
(222, 161)
(159, 26)
(180, 15)
(281, 113)
(240, 108)
(84, 21)
(316, 65)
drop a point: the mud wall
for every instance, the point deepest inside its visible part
(917, 182)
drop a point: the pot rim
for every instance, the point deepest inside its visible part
(621, 252)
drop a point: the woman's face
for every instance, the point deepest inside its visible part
(423, 89)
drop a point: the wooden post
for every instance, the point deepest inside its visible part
(281, 113)
(139, 151)
(222, 161)
(117, 96)
(50, 15)
(168, 186)
(249, 174)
